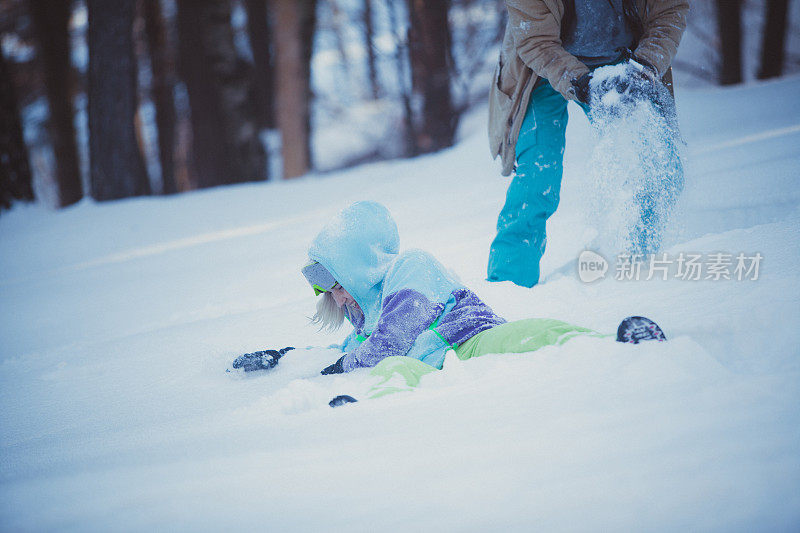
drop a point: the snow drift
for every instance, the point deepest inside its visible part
(118, 321)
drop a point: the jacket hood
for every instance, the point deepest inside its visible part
(357, 247)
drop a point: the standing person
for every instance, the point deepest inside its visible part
(549, 52)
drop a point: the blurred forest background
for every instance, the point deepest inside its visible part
(114, 99)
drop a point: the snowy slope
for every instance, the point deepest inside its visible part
(118, 320)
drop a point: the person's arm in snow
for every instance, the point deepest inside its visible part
(350, 342)
(335, 368)
(404, 316)
(262, 360)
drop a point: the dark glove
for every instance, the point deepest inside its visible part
(629, 57)
(335, 368)
(581, 88)
(263, 360)
(341, 400)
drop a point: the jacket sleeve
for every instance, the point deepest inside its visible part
(664, 24)
(537, 34)
(404, 316)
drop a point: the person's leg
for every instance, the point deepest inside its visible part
(402, 374)
(533, 194)
(658, 194)
(522, 336)
(657, 200)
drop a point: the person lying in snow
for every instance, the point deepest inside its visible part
(408, 305)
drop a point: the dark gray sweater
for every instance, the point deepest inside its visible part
(599, 31)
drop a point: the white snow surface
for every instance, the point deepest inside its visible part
(118, 321)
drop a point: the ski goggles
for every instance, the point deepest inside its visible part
(318, 277)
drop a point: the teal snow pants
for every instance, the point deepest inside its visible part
(533, 194)
(534, 191)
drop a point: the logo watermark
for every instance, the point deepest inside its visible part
(716, 266)
(591, 266)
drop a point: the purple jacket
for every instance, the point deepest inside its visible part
(412, 305)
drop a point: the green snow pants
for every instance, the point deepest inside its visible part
(534, 192)
(400, 373)
(521, 336)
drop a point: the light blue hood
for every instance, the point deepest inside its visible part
(358, 246)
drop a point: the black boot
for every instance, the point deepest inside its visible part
(635, 329)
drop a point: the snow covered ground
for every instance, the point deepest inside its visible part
(118, 320)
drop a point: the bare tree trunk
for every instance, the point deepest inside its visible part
(773, 43)
(429, 49)
(51, 20)
(260, 33)
(116, 166)
(340, 21)
(163, 66)
(295, 21)
(308, 26)
(400, 57)
(369, 38)
(729, 21)
(15, 172)
(225, 146)
(207, 151)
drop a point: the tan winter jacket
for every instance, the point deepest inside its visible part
(532, 48)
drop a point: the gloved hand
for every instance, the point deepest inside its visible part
(632, 59)
(335, 368)
(580, 87)
(263, 360)
(635, 83)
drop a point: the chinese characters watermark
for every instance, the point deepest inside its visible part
(714, 266)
